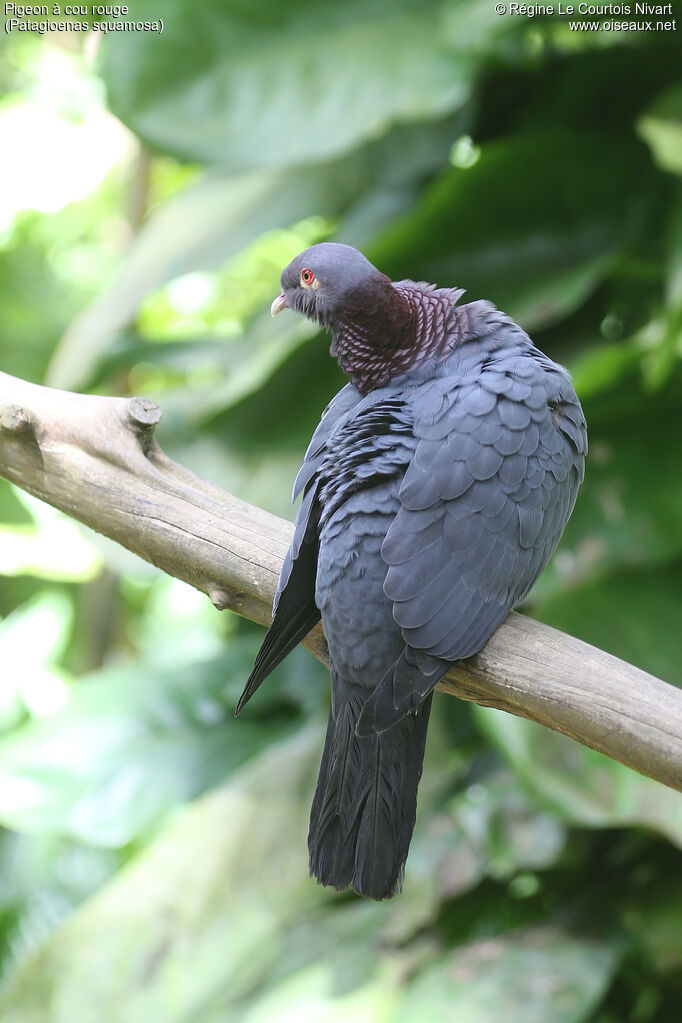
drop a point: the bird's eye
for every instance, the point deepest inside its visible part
(307, 276)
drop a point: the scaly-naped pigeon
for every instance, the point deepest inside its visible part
(435, 489)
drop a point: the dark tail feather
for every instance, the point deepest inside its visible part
(365, 803)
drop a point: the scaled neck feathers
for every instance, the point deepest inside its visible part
(393, 329)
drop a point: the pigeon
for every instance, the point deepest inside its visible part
(434, 491)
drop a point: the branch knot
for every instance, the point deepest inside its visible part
(143, 413)
(14, 419)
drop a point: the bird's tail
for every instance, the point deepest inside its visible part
(365, 803)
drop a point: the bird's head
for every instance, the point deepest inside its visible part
(329, 283)
(378, 328)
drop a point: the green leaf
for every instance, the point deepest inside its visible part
(505, 831)
(41, 881)
(248, 362)
(213, 221)
(629, 509)
(198, 230)
(282, 85)
(532, 977)
(661, 129)
(217, 921)
(489, 830)
(131, 743)
(184, 931)
(674, 268)
(533, 226)
(33, 638)
(652, 916)
(581, 786)
(631, 614)
(12, 510)
(30, 328)
(51, 547)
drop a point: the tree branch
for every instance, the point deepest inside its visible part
(96, 459)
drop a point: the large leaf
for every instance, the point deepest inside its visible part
(31, 327)
(581, 786)
(288, 84)
(12, 509)
(491, 829)
(628, 513)
(533, 977)
(216, 219)
(51, 547)
(41, 881)
(213, 917)
(674, 268)
(131, 743)
(217, 921)
(528, 977)
(533, 226)
(652, 913)
(661, 128)
(633, 614)
(182, 933)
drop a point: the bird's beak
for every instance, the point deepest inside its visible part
(279, 304)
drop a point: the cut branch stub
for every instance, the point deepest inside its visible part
(143, 414)
(14, 419)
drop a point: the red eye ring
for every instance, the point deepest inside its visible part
(307, 276)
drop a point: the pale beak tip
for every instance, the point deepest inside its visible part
(279, 303)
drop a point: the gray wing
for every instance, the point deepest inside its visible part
(335, 414)
(484, 502)
(294, 610)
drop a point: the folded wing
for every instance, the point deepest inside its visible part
(484, 502)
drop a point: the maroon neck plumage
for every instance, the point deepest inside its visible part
(391, 329)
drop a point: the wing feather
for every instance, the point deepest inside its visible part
(484, 502)
(294, 610)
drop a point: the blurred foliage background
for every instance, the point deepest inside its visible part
(152, 850)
